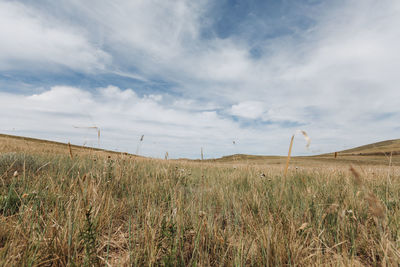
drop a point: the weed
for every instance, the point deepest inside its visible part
(88, 235)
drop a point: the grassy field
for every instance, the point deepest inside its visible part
(102, 208)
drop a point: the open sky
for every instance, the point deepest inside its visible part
(192, 74)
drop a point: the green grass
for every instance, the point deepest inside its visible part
(118, 210)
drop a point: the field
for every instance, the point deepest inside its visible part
(72, 206)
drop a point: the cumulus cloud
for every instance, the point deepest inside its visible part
(123, 117)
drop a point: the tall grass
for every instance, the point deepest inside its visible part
(121, 211)
(308, 140)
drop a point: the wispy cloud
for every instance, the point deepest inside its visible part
(330, 68)
(32, 40)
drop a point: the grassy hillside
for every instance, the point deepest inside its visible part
(372, 154)
(113, 209)
(11, 143)
(381, 153)
(379, 148)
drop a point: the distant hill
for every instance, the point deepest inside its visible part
(375, 149)
(245, 157)
(379, 148)
(376, 153)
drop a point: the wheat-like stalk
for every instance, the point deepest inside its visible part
(374, 204)
(91, 127)
(139, 144)
(70, 150)
(289, 154)
(357, 176)
(308, 140)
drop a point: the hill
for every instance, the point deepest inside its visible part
(379, 148)
(375, 154)
(12, 143)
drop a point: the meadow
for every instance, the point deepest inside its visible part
(73, 206)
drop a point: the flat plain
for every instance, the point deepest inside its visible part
(71, 206)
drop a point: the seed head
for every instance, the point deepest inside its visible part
(375, 206)
(357, 176)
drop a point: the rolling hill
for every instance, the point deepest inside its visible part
(376, 153)
(379, 148)
(11, 143)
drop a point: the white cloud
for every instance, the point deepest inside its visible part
(31, 39)
(122, 117)
(338, 79)
(248, 109)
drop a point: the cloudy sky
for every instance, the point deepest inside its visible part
(192, 74)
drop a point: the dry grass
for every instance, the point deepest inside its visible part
(112, 209)
(289, 154)
(9, 143)
(70, 151)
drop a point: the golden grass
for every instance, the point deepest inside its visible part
(289, 154)
(9, 143)
(70, 150)
(117, 210)
(308, 140)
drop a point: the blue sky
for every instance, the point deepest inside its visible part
(192, 74)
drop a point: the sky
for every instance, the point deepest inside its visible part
(226, 76)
